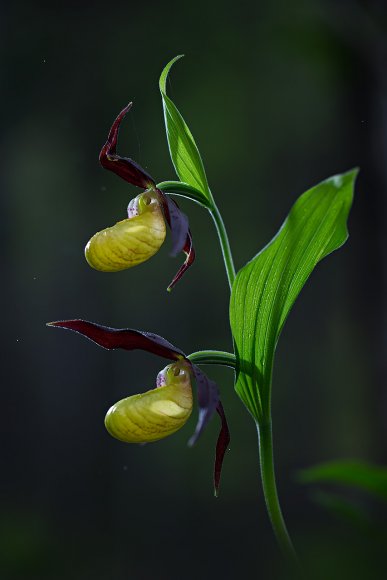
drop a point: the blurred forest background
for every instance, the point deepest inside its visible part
(279, 95)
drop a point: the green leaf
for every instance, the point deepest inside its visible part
(370, 478)
(182, 147)
(184, 190)
(266, 288)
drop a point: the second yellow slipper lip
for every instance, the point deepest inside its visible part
(155, 414)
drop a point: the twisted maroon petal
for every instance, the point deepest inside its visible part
(124, 167)
(221, 447)
(209, 402)
(181, 235)
(189, 251)
(127, 338)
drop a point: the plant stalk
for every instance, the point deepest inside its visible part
(224, 243)
(265, 436)
(265, 439)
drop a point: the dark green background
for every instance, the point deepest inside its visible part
(279, 95)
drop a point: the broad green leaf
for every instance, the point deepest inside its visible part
(184, 190)
(370, 478)
(182, 147)
(265, 289)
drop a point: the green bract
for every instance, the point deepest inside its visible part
(266, 288)
(182, 147)
(184, 190)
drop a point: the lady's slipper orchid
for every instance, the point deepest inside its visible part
(138, 237)
(160, 412)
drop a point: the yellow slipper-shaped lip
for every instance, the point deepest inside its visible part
(131, 241)
(153, 415)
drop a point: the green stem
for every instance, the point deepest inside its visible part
(213, 357)
(228, 359)
(207, 201)
(265, 438)
(265, 428)
(225, 244)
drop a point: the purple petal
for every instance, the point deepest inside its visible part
(208, 399)
(209, 402)
(178, 222)
(221, 447)
(181, 235)
(124, 167)
(127, 338)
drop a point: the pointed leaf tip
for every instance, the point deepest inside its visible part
(165, 72)
(183, 150)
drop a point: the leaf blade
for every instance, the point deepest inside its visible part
(183, 150)
(266, 288)
(364, 476)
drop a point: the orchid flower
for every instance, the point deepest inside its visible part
(159, 412)
(137, 238)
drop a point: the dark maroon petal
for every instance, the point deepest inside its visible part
(208, 399)
(127, 338)
(221, 447)
(123, 166)
(190, 257)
